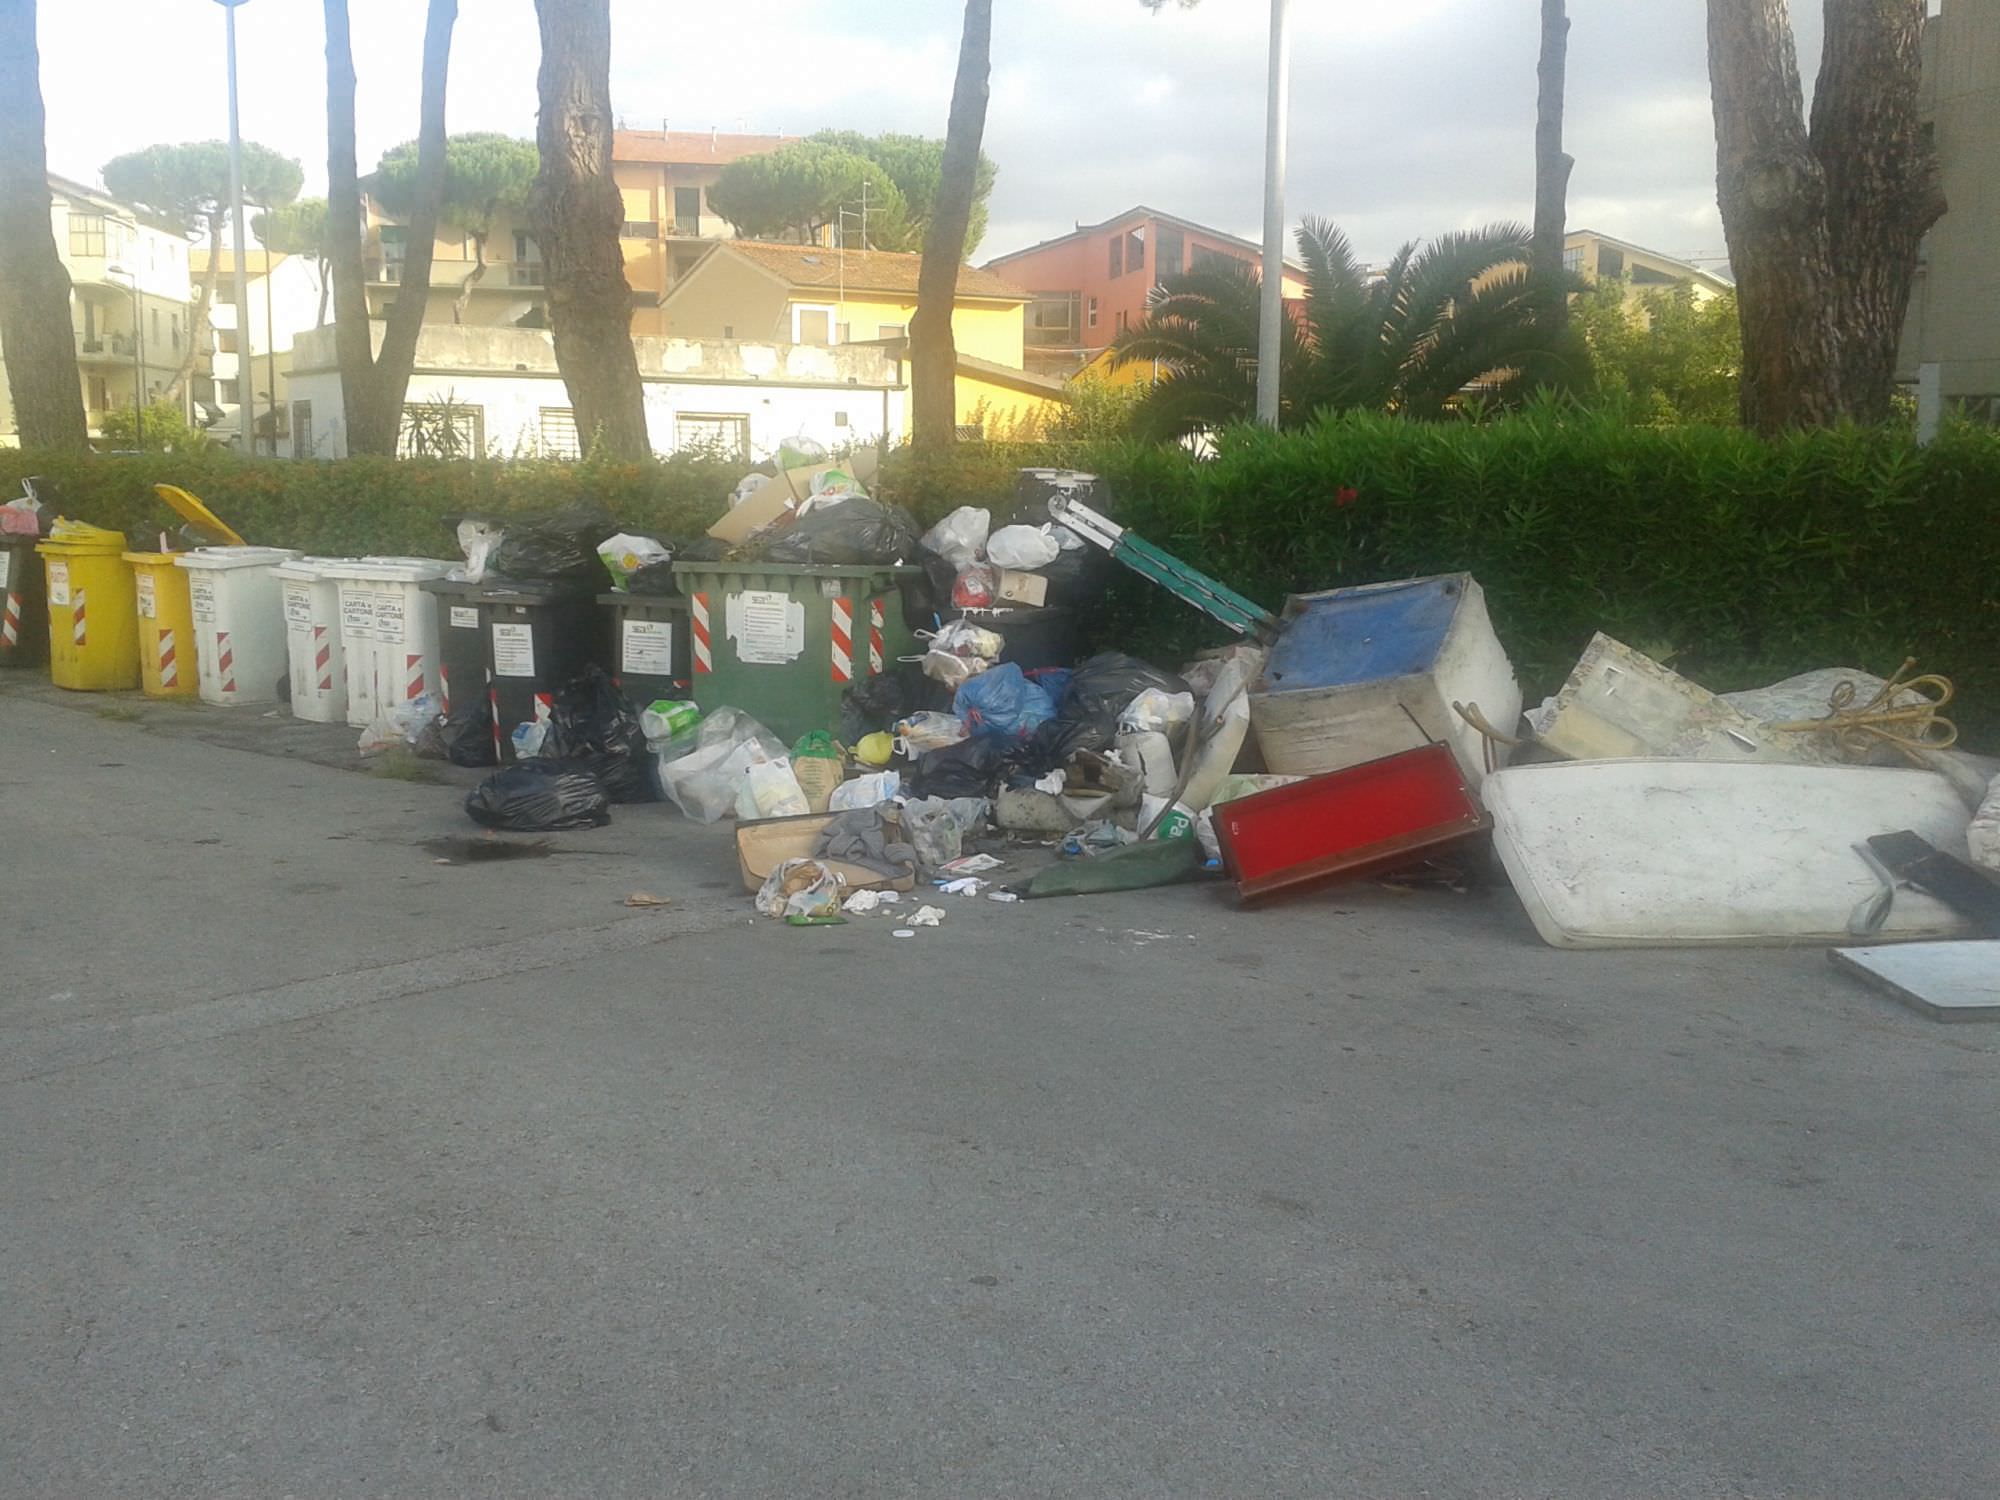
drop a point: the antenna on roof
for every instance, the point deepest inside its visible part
(711, 140)
(663, 125)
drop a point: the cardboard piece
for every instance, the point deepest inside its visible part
(782, 495)
(1015, 587)
(766, 843)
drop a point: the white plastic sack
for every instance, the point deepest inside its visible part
(1022, 547)
(926, 731)
(1219, 736)
(963, 638)
(1148, 752)
(960, 538)
(953, 671)
(1155, 711)
(1983, 838)
(768, 789)
(936, 827)
(747, 486)
(702, 772)
(865, 791)
(625, 554)
(800, 887)
(478, 541)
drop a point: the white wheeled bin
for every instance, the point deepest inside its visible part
(239, 622)
(388, 630)
(312, 638)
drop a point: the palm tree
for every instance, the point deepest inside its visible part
(1463, 312)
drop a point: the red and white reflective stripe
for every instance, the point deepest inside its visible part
(76, 619)
(10, 622)
(493, 715)
(323, 658)
(170, 672)
(413, 671)
(875, 650)
(225, 661)
(703, 660)
(843, 640)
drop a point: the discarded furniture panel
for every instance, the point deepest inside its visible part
(1619, 703)
(1945, 981)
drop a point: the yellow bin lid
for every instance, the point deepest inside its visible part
(151, 559)
(68, 536)
(192, 511)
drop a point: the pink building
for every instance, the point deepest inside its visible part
(1089, 286)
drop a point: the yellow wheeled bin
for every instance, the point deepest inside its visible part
(166, 625)
(93, 613)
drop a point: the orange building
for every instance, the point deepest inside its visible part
(1090, 285)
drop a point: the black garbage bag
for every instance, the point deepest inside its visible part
(1099, 691)
(1079, 575)
(654, 579)
(592, 726)
(971, 768)
(875, 704)
(848, 533)
(558, 547)
(1054, 742)
(464, 738)
(702, 549)
(539, 796)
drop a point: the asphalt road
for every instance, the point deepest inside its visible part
(335, 1171)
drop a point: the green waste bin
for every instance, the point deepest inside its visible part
(647, 646)
(24, 607)
(785, 642)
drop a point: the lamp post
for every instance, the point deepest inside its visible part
(131, 279)
(244, 404)
(1271, 307)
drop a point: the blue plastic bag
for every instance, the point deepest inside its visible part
(1002, 704)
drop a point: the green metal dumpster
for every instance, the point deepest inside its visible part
(24, 609)
(785, 642)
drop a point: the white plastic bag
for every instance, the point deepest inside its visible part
(1156, 711)
(1149, 752)
(1219, 736)
(478, 541)
(1022, 547)
(953, 671)
(768, 789)
(960, 538)
(747, 486)
(963, 638)
(625, 554)
(925, 731)
(702, 772)
(800, 887)
(865, 791)
(936, 828)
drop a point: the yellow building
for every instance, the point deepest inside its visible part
(807, 294)
(1596, 257)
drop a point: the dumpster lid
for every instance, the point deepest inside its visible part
(152, 559)
(497, 591)
(796, 570)
(308, 569)
(191, 510)
(81, 536)
(645, 601)
(218, 559)
(389, 569)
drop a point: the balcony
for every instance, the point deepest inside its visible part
(106, 346)
(636, 229)
(524, 273)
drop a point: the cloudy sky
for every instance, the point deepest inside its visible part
(1409, 116)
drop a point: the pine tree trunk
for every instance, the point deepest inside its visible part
(577, 213)
(398, 358)
(933, 352)
(1552, 163)
(1883, 185)
(35, 329)
(353, 345)
(1773, 195)
(198, 328)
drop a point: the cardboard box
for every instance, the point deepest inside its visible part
(1031, 589)
(763, 845)
(783, 494)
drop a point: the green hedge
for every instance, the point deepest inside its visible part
(1744, 560)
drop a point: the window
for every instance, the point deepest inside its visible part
(1121, 320)
(177, 332)
(86, 234)
(225, 393)
(527, 267)
(1168, 251)
(302, 429)
(812, 325)
(1135, 250)
(225, 341)
(840, 419)
(558, 433)
(729, 330)
(1091, 316)
(1610, 262)
(1052, 319)
(1573, 261)
(1117, 255)
(687, 210)
(892, 330)
(100, 394)
(1648, 276)
(680, 262)
(720, 434)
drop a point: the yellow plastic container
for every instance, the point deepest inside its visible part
(166, 626)
(93, 614)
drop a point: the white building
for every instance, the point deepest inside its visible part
(287, 296)
(129, 301)
(500, 391)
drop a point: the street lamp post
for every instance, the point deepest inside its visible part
(1271, 308)
(241, 281)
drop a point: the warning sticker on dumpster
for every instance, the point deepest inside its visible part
(649, 648)
(357, 615)
(298, 603)
(513, 650)
(148, 604)
(769, 628)
(389, 618)
(58, 582)
(464, 617)
(201, 593)
(6, 568)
